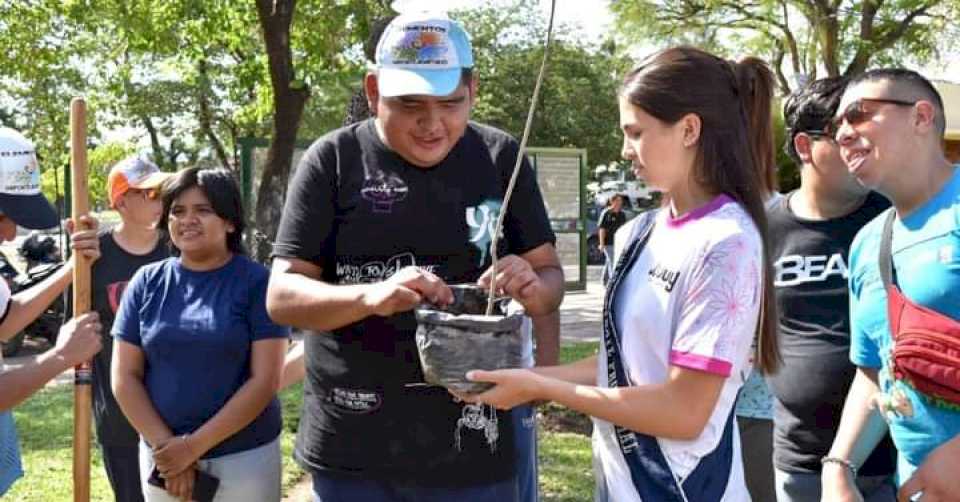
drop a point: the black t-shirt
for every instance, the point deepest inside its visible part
(810, 280)
(361, 212)
(610, 221)
(109, 277)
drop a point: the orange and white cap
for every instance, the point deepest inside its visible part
(133, 172)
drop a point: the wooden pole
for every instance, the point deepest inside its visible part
(82, 398)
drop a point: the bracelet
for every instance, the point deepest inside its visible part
(842, 461)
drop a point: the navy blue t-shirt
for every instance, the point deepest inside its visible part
(196, 330)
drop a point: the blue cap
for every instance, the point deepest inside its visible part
(422, 53)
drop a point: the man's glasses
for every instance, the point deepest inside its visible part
(861, 111)
(816, 134)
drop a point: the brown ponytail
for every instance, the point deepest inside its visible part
(755, 82)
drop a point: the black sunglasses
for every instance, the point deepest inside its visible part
(819, 133)
(859, 112)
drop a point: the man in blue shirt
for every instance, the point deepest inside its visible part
(890, 127)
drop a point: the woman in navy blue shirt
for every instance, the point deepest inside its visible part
(197, 361)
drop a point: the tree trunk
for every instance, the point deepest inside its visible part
(289, 99)
(158, 154)
(829, 31)
(205, 116)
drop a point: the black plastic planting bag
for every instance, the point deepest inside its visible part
(458, 338)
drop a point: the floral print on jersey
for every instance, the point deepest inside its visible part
(722, 297)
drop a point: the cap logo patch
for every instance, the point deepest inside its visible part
(422, 45)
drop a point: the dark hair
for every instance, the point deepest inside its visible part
(377, 27)
(735, 148)
(811, 108)
(909, 85)
(221, 189)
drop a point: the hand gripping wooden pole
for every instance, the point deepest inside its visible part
(83, 376)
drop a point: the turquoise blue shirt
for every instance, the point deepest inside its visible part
(926, 255)
(755, 399)
(10, 468)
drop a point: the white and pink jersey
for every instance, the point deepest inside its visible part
(691, 300)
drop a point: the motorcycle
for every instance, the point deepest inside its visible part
(42, 258)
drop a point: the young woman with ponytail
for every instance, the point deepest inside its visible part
(690, 295)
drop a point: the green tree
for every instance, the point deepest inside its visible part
(844, 37)
(38, 76)
(578, 101)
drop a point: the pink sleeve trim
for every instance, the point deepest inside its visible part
(701, 363)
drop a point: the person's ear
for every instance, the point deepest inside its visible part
(473, 87)
(803, 144)
(925, 115)
(691, 125)
(372, 88)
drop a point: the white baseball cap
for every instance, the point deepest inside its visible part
(20, 196)
(422, 53)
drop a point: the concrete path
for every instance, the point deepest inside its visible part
(581, 313)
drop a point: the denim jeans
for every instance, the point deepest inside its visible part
(333, 488)
(804, 486)
(525, 440)
(608, 264)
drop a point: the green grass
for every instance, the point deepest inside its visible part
(575, 351)
(566, 469)
(45, 427)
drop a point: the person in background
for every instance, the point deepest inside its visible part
(197, 360)
(611, 219)
(22, 204)
(810, 234)
(890, 125)
(133, 192)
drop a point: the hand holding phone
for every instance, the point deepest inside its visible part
(204, 485)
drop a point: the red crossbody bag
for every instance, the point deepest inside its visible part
(926, 343)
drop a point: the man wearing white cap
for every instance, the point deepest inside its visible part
(380, 217)
(21, 203)
(133, 191)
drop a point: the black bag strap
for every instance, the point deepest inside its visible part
(887, 272)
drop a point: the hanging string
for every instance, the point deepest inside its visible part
(516, 168)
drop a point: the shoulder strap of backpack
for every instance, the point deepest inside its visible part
(887, 273)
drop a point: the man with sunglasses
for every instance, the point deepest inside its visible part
(810, 232)
(132, 189)
(890, 132)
